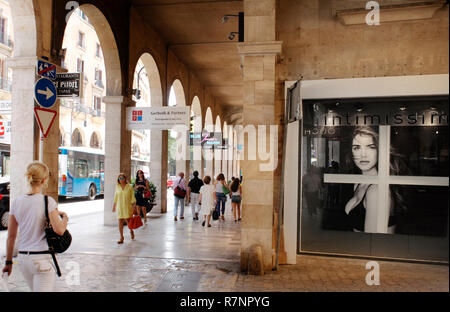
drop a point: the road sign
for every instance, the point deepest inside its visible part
(69, 85)
(45, 93)
(45, 119)
(46, 70)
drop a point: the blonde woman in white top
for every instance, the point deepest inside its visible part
(207, 198)
(28, 215)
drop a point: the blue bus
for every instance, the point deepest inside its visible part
(81, 172)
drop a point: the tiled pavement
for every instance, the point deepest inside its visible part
(165, 246)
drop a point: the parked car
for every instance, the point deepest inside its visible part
(4, 202)
(170, 181)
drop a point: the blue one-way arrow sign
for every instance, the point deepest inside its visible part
(45, 93)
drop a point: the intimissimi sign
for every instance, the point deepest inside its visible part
(429, 111)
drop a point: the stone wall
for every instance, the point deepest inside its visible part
(316, 45)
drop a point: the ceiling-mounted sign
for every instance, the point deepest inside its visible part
(45, 93)
(69, 85)
(158, 118)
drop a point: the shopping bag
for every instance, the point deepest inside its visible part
(215, 214)
(135, 222)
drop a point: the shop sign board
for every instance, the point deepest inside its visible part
(5, 107)
(69, 85)
(158, 118)
(5, 131)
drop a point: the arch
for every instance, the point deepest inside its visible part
(209, 124)
(110, 51)
(208, 155)
(196, 115)
(218, 125)
(96, 140)
(225, 151)
(217, 152)
(25, 31)
(78, 137)
(154, 78)
(177, 98)
(177, 90)
(196, 111)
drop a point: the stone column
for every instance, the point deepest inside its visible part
(117, 150)
(230, 152)
(217, 162)
(156, 155)
(198, 159)
(258, 55)
(23, 128)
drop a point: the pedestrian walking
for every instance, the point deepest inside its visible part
(236, 199)
(179, 193)
(221, 190)
(207, 197)
(193, 194)
(124, 203)
(142, 193)
(27, 215)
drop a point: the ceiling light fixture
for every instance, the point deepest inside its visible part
(232, 35)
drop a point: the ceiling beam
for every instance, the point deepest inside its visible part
(185, 3)
(202, 43)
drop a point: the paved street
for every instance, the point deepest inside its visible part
(165, 246)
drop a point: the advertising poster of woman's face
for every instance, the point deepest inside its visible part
(352, 147)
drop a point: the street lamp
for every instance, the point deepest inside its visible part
(137, 92)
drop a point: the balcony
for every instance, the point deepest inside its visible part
(6, 40)
(99, 84)
(5, 85)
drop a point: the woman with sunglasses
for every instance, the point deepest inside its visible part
(125, 203)
(141, 186)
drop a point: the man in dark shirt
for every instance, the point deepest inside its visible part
(193, 194)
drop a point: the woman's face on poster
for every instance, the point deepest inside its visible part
(365, 152)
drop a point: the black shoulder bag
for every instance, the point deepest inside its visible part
(56, 243)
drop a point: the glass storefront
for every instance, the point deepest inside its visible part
(375, 177)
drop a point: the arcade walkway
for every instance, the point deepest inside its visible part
(165, 247)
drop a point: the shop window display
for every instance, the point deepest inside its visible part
(374, 167)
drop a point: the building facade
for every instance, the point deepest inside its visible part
(346, 62)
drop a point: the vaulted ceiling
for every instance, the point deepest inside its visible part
(195, 32)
